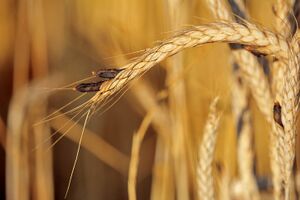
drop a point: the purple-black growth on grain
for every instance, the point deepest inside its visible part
(107, 74)
(277, 114)
(89, 87)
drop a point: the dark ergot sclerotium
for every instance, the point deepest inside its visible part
(277, 114)
(89, 87)
(107, 74)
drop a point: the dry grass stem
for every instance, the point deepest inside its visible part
(180, 138)
(17, 151)
(224, 186)
(135, 150)
(2, 133)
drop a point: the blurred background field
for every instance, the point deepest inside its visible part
(47, 44)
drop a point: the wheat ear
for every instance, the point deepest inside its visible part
(281, 10)
(206, 154)
(290, 101)
(285, 129)
(245, 162)
(253, 76)
(247, 34)
(282, 75)
(260, 89)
